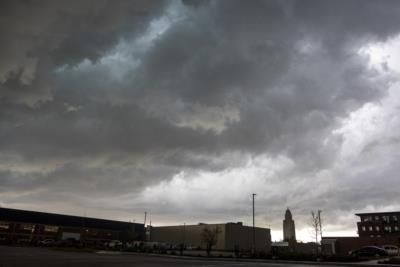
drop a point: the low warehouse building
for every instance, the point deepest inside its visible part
(32, 226)
(229, 236)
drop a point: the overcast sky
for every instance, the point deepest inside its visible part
(184, 109)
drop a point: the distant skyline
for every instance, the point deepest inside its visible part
(184, 109)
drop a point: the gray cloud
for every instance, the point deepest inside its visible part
(109, 100)
(54, 34)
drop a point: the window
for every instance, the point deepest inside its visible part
(376, 218)
(385, 218)
(27, 227)
(377, 228)
(4, 225)
(363, 228)
(370, 229)
(388, 229)
(396, 228)
(51, 228)
(394, 218)
(366, 218)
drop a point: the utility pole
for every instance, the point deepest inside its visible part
(145, 217)
(184, 233)
(254, 227)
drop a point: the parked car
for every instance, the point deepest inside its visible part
(47, 242)
(369, 251)
(391, 250)
(114, 244)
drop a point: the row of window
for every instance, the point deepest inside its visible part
(47, 228)
(28, 227)
(388, 229)
(385, 218)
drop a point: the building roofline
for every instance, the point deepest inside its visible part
(335, 238)
(208, 224)
(20, 211)
(378, 213)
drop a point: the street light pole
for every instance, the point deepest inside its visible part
(254, 227)
(184, 233)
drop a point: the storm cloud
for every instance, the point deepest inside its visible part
(185, 108)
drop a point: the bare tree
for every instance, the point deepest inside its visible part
(316, 224)
(320, 225)
(210, 238)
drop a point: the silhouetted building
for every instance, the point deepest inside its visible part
(33, 226)
(230, 236)
(374, 229)
(289, 230)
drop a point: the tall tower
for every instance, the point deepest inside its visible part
(289, 231)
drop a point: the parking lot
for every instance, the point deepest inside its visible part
(39, 257)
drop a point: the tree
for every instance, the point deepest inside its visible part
(210, 238)
(316, 224)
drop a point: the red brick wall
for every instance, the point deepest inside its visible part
(345, 244)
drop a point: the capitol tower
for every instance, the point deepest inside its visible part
(289, 231)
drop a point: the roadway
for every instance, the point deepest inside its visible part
(43, 257)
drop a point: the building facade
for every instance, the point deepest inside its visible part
(374, 229)
(289, 230)
(32, 226)
(229, 236)
(380, 224)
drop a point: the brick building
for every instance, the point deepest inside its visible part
(382, 224)
(374, 229)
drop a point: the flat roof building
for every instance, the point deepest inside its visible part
(229, 236)
(35, 226)
(379, 224)
(374, 229)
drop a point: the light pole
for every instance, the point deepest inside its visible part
(184, 233)
(254, 228)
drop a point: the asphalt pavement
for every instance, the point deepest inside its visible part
(43, 257)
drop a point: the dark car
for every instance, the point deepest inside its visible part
(369, 251)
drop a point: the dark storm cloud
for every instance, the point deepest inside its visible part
(55, 33)
(113, 97)
(247, 56)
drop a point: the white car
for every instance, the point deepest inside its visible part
(114, 244)
(391, 250)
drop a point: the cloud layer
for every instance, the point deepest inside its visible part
(185, 108)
